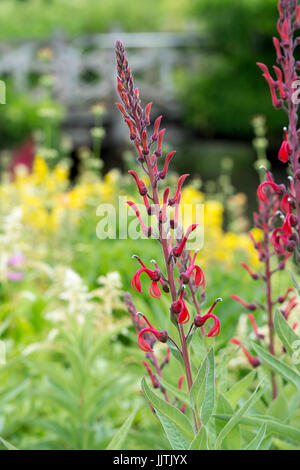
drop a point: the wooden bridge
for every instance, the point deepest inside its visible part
(83, 70)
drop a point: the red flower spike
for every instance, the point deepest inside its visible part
(146, 230)
(254, 361)
(121, 108)
(295, 326)
(162, 174)
(280, 9)
(285, 150)
(277, 48)
(179, 308)
(147, 113)
(298, 15)
(144, 142)
(177, 250)
(254, 326)
(251, 306)
(140, 184)
(159, 144)
(279, 78)
(132, 128)
(156, 127)
(176, 199)
(201, 320)
(163, 215)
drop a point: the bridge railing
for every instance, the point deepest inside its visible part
(83, 68)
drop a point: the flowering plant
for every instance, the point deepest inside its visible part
(187, 418)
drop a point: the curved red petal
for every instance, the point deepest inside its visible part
(142, 343)
(154, 290)
(136, 283)
(199, 276)
(184, 314)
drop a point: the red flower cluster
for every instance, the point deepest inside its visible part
(285, 96)
(274, 201)
(182, 288)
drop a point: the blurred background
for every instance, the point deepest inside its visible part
(69, 344)
(194, 59)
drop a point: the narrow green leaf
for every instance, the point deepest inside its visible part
(283, 445)
(239, 388)
(200, 440)
(197, 390)
(209, 395)
(166, 409)
(173, 434)
(235, 419)
(288, 337)
(257, 440)
(233, 439)
(273, 426)
(277, 365)
(296, 285)
(7, 444)
(118, 439)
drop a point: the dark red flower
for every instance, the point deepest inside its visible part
(177, 250)
(199, 275)
(250, 306)
(153, 275)
(285, 149)
(254, 361)
(180, 309)
(200, 320)
(161, 336)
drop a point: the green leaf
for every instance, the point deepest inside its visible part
(166, 409)
(238, 389)
(200, 440)
(283, 445)
(180, 394)
(235, 419)
(233, 439)
(278, 366)
(197, 390)
(7, 444)
(288, 337)
(274, 426)
(296, 285)
(175, 352)
(118, 439)
(279, 408)
(174, 436)
(209, 394)
(258, 439)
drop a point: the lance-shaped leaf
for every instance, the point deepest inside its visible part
(278, 366)
(117, 441)
(200, 440)
(166, 409)
(288, 337)
(235, 419)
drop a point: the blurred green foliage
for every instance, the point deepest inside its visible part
(229, 90)
(87, 16)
